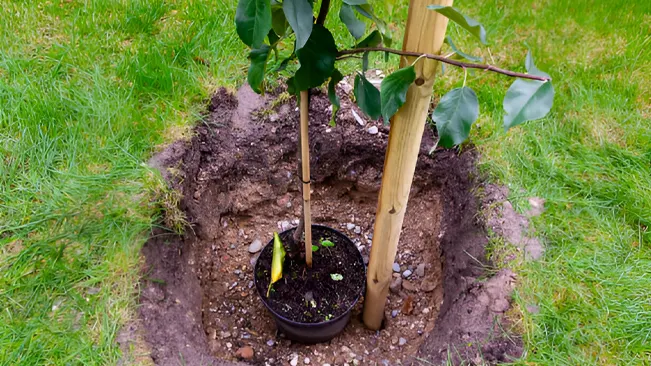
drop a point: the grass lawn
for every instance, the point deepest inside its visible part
(90, 89)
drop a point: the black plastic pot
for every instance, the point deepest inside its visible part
(311, 333)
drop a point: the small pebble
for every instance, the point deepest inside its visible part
(229, 345)
(306, 361)
(358, 118)
(358, 230)
(255, 246)
(232, 246)
(402, 341)
(396, 284)
(250, 284)
(237, 271)
(373, 130)
(350, 226)
(294, 360)
(245, 353)
(285, 225)
(420, 270)
(270, 343)
(406, 273)
(396, 267)
(394, 313)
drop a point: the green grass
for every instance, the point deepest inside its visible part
(89, 90)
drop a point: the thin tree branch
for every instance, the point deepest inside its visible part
(323, 12)
(446, 60)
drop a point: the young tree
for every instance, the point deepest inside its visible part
(265, 25)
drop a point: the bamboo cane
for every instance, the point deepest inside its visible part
(305, 159)
(424, 33)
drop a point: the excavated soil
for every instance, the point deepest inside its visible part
(238, 179)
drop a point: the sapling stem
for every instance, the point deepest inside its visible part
(305, 176)
(323, 12)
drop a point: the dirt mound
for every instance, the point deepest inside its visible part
(238, 180)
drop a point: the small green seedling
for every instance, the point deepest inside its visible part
(313, 303)
(315, 248)
(327, 243)
(328, 317)
(336, 277)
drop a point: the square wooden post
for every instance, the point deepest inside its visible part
(424, 33)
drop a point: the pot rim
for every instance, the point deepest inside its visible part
(295, 323)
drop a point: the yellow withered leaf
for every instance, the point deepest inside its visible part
(277, 260)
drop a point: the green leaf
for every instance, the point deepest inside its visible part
(454, 48)
(300, 17)
(278, 21)
(367, 11)
(393, 91)
(272, 37)
(531, 67)
(336, 276)
(364, 9)
(253, 21)
(368, 97)
(470, 24)
(372, 40)
(332, 95)
(317, 59)
(454, 115)
(355, 26)
(259, 57)
(315, 248)
(291, 86)
(327, 243)
(528, 100)
(365, 62)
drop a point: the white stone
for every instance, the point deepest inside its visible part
(255, 246)
(359, 119)
(294, 360)
(373, 130)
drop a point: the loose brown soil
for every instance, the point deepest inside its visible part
(238, 179)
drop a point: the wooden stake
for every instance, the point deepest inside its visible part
(305, 160)
(424, 33)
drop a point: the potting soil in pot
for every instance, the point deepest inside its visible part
(317, 294)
